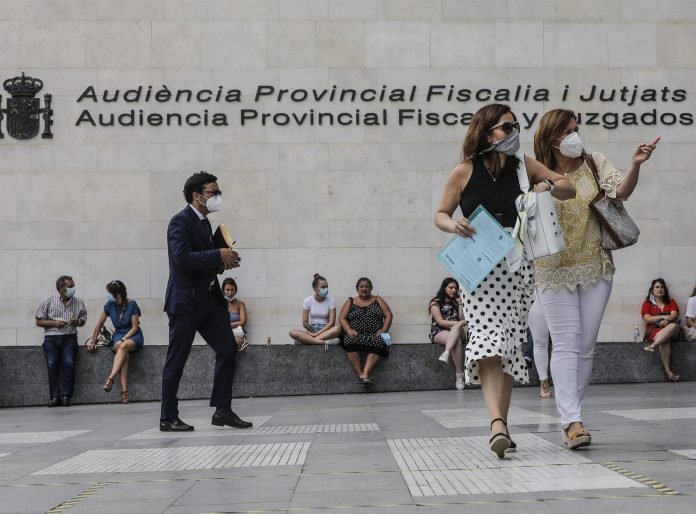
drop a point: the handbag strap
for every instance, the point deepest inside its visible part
(595, 172)
(522, 176)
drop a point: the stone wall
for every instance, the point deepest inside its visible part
(94, 202)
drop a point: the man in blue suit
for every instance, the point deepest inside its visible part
(194, 303)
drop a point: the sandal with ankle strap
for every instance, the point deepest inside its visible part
(499, 442)
(577, 438)
(109, 384)
(124, 397)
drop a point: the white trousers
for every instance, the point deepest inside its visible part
(573, 318)
(540, 337)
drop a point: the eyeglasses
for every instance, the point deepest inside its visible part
(214, 192)
(506, 126)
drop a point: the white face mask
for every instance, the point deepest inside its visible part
(214, 203)
(571, 145)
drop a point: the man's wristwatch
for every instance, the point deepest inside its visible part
(551, 184)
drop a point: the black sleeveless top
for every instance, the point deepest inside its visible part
(498, 197)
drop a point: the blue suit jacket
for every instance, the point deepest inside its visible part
(193, 262)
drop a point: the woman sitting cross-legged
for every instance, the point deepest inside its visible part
(661, 314)
(366, 320)
(318, 316)
(128, 337)
(238, 312)
(447, 326)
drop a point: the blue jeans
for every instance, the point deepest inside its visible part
(60, 354)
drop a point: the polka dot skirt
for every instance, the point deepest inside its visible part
(497, 313)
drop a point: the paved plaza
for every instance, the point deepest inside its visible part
(389, 452)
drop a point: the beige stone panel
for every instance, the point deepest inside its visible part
(636, 266)
(257, 233)
(305, 233)
(606, 333)
(152, 314)
(112, 79)
(118, 44)
(131, 9)
(399, 196)
(15, 236)
(531, 9)
(8, 274)
(37, 272)
(58, 158)
(9, 209)
(411, 310)
(166, 198)
(341, 195)
(389, 157)
(674, 204)
(405, 233)
(62, 235)
(244, 195)
(229, 44)
(342, 267)
(462, 44)
(245, 157)
(55, 197)
(411, 334)
(340, 43)
(559, 51)
(247, 80)
(15, 10)
(621, 154)
(353, 9)
(280, 282)
(303, 157)
(58, 82)
(119, 157)
(302, 78)
(632, 45)
(397, 44)
(289, 311)
(304, 9)
(245, 9)
(399, 271)
(8, 337)
(253, 276)
(188, 10)
(356, 78)
(404, 78)
(291, 43)
(292, 196)
(176, 44)
(197, 78)
(416, 10)
(65, 39)
(655, 232)
(673, 40)
(519, 44)
(159, 272)
(263, 311)
(355, 233)
(31, 336)
(114, 235)
(109, 196)
(674, 10)
(129, 266)
(571, 10)
(677, 268)
(473, 9)
(186, 157)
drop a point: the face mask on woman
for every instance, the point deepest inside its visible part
(509, 145)
(571, 145)
(229, 298)
(110, 297)
(324, 292)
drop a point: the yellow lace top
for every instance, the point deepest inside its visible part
(584, 261)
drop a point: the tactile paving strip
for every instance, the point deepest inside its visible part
(465, 465)
(461, 418)
(177, 459)
(655, 414)
(38, 437)
(203, 428)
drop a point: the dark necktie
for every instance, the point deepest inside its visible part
(208, 227)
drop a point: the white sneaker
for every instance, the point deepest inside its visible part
(459, 384)
(444, 357)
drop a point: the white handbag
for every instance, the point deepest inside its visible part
(537, 223)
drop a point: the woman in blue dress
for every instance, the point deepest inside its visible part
(127, 338)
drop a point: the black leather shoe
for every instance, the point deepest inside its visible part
(229, 418)
(55, 402)
(174, 425)
(66, 401)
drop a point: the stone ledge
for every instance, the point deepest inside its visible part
(295, 370)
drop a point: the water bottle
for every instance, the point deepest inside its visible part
(636, 334)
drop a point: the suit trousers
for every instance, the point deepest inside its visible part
(211, 320)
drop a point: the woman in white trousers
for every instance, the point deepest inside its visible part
(573, 286)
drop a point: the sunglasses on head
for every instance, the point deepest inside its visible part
(506, 126)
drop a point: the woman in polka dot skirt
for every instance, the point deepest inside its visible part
(496, 311)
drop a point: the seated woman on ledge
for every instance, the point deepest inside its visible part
(238, 313)
(318, 316)
(366, 320)
(447, 326)
(127, 338)
(660, 313)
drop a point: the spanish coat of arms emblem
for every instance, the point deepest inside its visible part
(23, 111)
